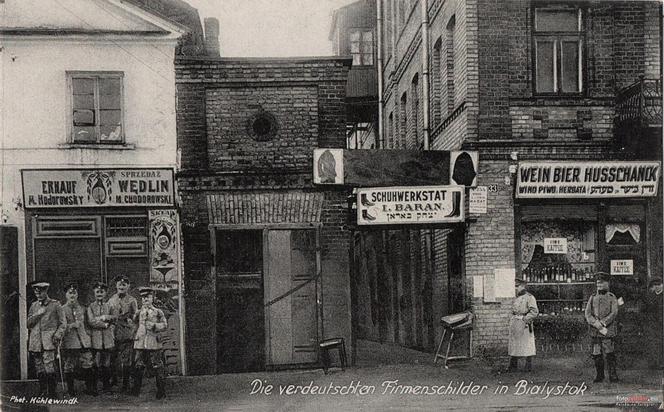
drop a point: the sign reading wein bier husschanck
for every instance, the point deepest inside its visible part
(587, 179)
(97, 187)
(407, 205)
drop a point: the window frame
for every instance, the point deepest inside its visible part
(362, 31)
(96, 76)
(558, 37)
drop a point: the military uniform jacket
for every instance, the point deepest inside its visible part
(521, 334)
(151, 321)
(101, 332)
(44, 328)
(602, 308)
(125, 308)
(75, 337)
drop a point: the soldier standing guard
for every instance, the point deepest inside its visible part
(147, 346)
(601, 312)
(100, 318)
(126, 307)
(522, 336)
(46, 322)
(76, 343)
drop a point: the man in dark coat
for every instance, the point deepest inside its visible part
(47, 324)
(652, 312)
(601, 312)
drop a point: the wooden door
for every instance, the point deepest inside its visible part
(290, 296)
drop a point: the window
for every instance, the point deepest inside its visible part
(96, 104)
(415, 109)
(449, 64)
(361, 47)
(436, 78)
(558, 41)
(403, 124)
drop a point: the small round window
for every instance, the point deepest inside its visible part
(262, 126)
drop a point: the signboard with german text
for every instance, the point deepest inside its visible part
(69, 188)
(555, 245)
(587, 179)
(622, 267)
(410, 205)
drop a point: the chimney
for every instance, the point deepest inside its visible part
(211, 36)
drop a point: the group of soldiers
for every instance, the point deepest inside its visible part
(601, 313)
(109, 339)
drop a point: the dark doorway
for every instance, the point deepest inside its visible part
(455, 270)
(240, 313)
(10, 293)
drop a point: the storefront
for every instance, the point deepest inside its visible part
(91, 225)
(574, 219)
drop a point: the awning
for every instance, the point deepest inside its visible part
(264, 208)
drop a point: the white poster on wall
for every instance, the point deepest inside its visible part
(504, 282)
(478, 200)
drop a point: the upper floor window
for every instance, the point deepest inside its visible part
(558, 39)
(96, 107)
(361, 47)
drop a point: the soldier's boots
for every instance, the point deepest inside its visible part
(69, 378)
(160, 380)
(125, 381)
(91, 382)
(43, 385)
(514, 362)
(138, 382)
(51, 384)
(611, 363)
(106, 378)
(529, 363)
(599, 368)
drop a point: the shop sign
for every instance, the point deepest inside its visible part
(68, 188)
(555, 245)
(587, 179)
(622, 267)
(329, 166)
(410, 205)
(478, 200)
(464, 168)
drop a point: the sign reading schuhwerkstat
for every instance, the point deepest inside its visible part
(50, 188)
(410, 205)
(587, 179)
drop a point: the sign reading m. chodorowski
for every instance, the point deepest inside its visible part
(587, 179)
(410, 205)
(97, 187)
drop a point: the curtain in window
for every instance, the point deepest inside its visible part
(632, 228)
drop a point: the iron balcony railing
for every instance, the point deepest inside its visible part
(640, 103)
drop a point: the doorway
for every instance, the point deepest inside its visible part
(455, 271)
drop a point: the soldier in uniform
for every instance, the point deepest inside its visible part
(76, 342)
(46, 322)
(147, 346)
(125, 307)
(601, 312)
(100, 319)
(521, 334)
(652, 311)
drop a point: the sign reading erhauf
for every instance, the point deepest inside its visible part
(410, 205)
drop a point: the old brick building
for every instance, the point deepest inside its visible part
(525, 83)
(265, 252)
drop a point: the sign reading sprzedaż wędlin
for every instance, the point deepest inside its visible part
(65, 188)
(410, 205)
(587, 179)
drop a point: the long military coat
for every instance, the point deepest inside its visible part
(522, 334)
(101, 331)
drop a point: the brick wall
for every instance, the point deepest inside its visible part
(220, 156)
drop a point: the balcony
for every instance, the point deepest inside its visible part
(638, 119)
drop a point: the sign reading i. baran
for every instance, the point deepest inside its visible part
(587, 179)
(410, 205)
(66, 188)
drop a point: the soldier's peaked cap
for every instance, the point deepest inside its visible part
(39, 284)
(100, 285)
(602, 276)
(121, 278)
(71, 286)
(145, 291)
(520, 281)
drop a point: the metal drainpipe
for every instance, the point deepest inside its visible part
(425, 71)
(379, 64)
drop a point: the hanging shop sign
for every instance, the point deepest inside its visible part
(464, 168)
(410, 205)
(555, 245)
(587, 179)
(622, 267)
(63, 188)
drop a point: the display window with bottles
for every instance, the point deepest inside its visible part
(562, 246)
